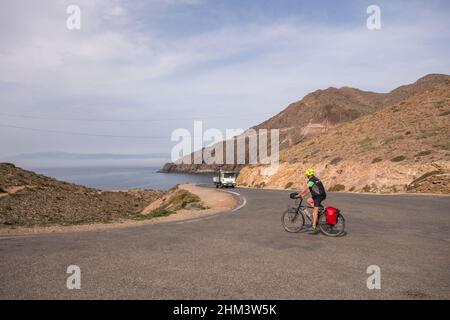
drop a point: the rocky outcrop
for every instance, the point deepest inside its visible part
(401, 148)
(30, 199)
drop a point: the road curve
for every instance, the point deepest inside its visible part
(245, 254)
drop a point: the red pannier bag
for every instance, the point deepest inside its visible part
(331, 214)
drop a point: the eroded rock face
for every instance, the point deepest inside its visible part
(436, 182)
(388, 151)
(351, 176)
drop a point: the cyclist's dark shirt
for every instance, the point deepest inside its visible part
(316, 187)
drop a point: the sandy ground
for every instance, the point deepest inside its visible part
(216, 201)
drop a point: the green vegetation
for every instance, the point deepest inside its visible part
(288, 185)
(445, 145)
(180, 199)
(161, 213)
(423, 153)
(183, 199)
(261, 185)
(398, 159)
(365, 141)
(439, 104)
(154, 214)
(366, 144)
(393, 138)
(336, 188)
(75, 223)
(335, 161)
(366, 188)
(377, 159)
(426, 175)
(430, 132)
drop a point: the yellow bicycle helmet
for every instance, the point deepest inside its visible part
(309, 172)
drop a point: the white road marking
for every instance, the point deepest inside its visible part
(235, 193)
(244, 203)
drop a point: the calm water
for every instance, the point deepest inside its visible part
(115, 178)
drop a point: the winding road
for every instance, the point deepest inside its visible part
(245, 254)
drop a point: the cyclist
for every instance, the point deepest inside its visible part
(318, 194)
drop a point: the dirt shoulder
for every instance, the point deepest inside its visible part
(215, 201)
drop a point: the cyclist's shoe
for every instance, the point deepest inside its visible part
(313, 230)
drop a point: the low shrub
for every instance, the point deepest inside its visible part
(430, 132)
(288, 185)
(398, 159)
(180, 200)
(366, 144)
(426, 175)
(439, 104)
(393, 138)
(445, 145)
(154, 214)
(423, 153)
(337, 188)
(335, 160)
(161, 213)
(377, 159)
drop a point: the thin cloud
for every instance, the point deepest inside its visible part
(113, 69)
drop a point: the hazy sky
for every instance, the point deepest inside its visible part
(231, 63)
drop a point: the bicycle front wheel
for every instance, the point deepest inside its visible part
(332, 230)
(292, 221)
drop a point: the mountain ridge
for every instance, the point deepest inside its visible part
(321, 111)
(400, 148)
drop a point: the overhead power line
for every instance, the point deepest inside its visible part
(82, 133)
(131, 120)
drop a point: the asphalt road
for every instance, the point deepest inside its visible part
(245, 254)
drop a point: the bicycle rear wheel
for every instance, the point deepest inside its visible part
(332, 230)
(292, 221)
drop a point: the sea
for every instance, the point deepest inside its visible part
(122, 178)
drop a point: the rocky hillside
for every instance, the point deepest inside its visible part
(321, 111)
(324, 109)
(30, 199)
(404, 146)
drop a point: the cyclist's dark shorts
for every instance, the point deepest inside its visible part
(318, 200)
